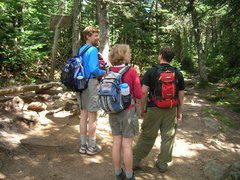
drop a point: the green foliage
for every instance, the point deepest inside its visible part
(187, 64)
(26, 38)
(226, 121)
(226, 96)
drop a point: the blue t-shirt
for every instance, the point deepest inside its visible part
(90, 62)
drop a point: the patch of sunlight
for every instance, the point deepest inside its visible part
(183, 148)
(62, 114)
(13, 140)
(76, 127)
(2, 176)
(95, 159)
(192, 103)
(41, 130)
(103, 120)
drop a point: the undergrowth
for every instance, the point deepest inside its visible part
(227, 122)
(229, 97)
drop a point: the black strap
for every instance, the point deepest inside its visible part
(85, 50)
(165, 68)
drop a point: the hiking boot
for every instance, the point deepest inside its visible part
(121, 176)
(83, 149)
(131, 178)
(94, 150)
(160, 169)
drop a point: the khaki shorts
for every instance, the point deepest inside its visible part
(88, 99)
(124, 123)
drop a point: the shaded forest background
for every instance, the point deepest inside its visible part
(204, 33)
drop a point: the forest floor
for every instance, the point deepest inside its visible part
(49, 150)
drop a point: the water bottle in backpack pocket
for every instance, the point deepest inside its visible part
(126, 96)
(80, 82)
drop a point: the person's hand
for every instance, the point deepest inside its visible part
(179, 116)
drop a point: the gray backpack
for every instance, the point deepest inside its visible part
(110, 97)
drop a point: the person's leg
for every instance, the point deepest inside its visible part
(117, 146)
(92, 124)
(128, 156)
(168, 131)
(83, 131)
(93, 148)
(83, 122)
(116, 152)
(150, 128)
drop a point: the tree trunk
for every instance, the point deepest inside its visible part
(76, 26)
(103, 19)
(178, 46)
(27, 88)
(186, 43)
(157, 27)
(55, 42)
(199, 46)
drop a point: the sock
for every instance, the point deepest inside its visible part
(129, 175)
(118, 171)
(92, 141)
(83, 139)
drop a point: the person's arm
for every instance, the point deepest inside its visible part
(136, 84)
(94, 64)
(180, 105)
(143, 100)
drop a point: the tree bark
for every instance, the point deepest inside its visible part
(102, 9)
(199, 46)
(55, 42)
(27, 88)
(178, 46)
(76, 26)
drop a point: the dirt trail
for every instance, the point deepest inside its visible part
(51, 151)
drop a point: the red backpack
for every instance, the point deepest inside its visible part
(165, 92)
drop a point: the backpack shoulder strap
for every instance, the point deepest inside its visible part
(108, 69)
(84, 50)
(159, 67)
(123, 70)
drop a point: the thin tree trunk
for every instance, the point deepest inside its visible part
(76, 26)
(55, 42)
(157, 27)
(103, 19)
(178, 46)
(197, 35)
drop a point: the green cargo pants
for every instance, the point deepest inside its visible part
(156, 119)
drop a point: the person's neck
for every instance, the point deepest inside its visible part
(163, 62)
(88, 42)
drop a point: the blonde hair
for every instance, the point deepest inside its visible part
(88, 31)
(117, 54)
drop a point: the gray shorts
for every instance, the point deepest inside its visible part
(124, 123)
(88, 99)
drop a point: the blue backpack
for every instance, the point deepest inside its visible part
(110, 98)
(72, 75)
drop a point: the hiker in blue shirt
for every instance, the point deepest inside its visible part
(88, 98)
(90, 62)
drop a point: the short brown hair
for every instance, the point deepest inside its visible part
(88, 31)
(168, 53)
(117, 53)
